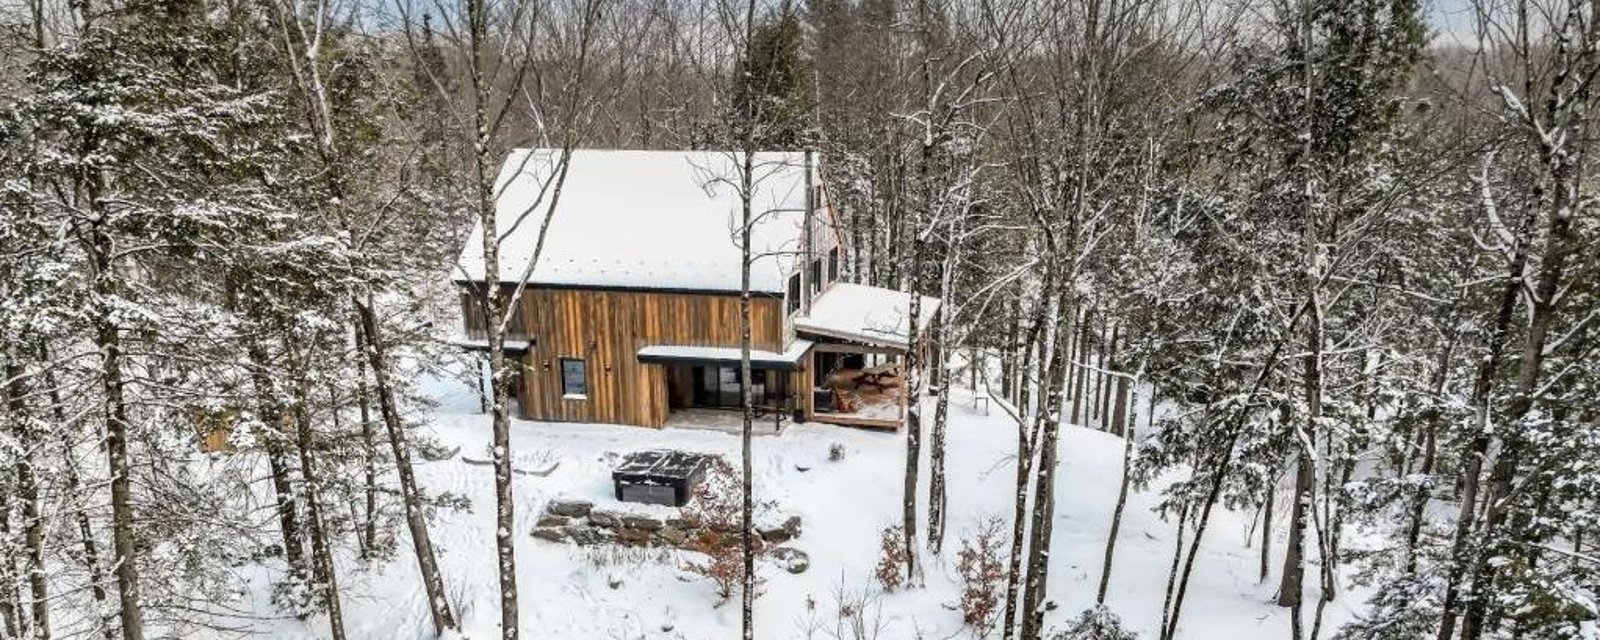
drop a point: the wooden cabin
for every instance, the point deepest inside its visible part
(631, 313)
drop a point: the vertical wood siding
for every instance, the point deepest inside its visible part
(607, 328)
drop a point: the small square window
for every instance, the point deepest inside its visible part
(574, 378)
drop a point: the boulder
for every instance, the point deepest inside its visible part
(569, 508)
(588, 536)
(632, 537)
(788, 530)
(686, 522)
(548, 520)
(646, 523)
(672, 536)
(551, 534)
(607, 519)
(791, 559)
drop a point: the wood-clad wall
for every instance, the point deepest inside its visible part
(606, 328)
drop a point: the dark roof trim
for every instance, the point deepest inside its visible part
(585, 287)
(717, 362)
(515, 347)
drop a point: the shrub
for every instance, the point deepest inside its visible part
(716, 510)
(1098, 623)
(983, 575)
(891, 558)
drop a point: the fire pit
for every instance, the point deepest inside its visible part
(659, 476)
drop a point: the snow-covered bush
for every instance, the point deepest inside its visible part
(1098, 623)
(891, 558)
(836, 452)
(981, 564)
(716, 511)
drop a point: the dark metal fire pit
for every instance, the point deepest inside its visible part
(659, 477)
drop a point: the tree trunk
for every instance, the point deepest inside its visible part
(1042, 322)
(1478, 445)
(1101, 398)
(369, 446)
(326, 578)
(1043, 525)
(1560, 241)
(1080, 404)
(1168, 625)
(272, 415)
(747, 582)
(11, 611)
(1266, 529)
(416, 523)
(108, 341)
(28, 496)
(1127, 429)
(74, 484)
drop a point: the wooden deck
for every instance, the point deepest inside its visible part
(848, 420)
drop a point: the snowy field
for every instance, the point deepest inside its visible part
(567, 592)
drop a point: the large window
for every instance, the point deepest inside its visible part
(719, 387)
(574, 379)
(816, 276)
(833, 264)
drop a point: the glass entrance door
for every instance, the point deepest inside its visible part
(719, 387)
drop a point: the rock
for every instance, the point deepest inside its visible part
(646, 523)
(569, 508)
(548, 520)
(605, 519)
(672, 536)
(588, 536)
(614, 581)
(551, 534)
(791, 559)
(788, 530)
(687, 522)
(633, 537)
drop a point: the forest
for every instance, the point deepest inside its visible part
(1330, 265)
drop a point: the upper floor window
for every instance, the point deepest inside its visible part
(474, 307)
(833, 264)
(794, 292)
(816, 276)
(574, 378)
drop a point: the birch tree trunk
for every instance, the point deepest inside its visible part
(1042, 527)
(399, 445)
(1041, 322)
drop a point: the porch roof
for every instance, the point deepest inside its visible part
(513, 347)
(870, 315)
(721, 356)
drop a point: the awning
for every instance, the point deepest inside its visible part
(869, 315)
(789, 360)
(513, 347)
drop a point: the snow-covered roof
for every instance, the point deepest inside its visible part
(644, 219)
(759, 358)
(482, 344)
(865, 314)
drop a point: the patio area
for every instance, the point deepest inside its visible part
(723, 420)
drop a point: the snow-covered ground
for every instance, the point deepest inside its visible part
(567, 592)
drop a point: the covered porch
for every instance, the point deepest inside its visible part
(704, 385)
(856, 368)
